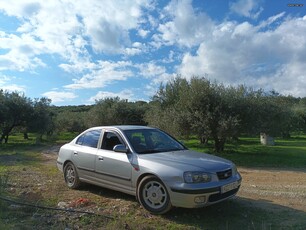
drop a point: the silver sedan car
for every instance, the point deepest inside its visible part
(149, 164)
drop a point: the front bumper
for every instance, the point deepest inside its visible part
(60, 166)
(196, 198)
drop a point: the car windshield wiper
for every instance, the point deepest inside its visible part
(159, 150)
(149, 151)
(172, 150)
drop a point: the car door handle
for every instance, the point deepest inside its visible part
(75, 152)
(100, 158)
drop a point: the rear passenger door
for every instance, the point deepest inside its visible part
(84, 153)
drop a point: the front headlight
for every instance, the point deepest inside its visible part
(196, 177)
(234, 170)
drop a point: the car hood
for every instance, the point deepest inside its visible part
(186, 159)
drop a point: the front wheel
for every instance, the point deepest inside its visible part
(153, 196)
(71, 176)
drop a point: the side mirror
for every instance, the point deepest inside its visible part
(120, 148)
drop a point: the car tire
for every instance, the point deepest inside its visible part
(153, 195)
(71, 176)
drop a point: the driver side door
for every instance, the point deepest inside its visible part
(113, 168)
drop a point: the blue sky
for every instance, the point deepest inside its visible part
(75, 52)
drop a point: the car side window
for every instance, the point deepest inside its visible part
(89, 139)
(110, 139)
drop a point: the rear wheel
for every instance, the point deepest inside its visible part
(71, 176)
(153, 195)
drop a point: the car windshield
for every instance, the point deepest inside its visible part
(152, 141)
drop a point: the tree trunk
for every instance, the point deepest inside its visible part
(219, 144)
(204, 139)
(5, 134)
(6, 139)
(2, 138)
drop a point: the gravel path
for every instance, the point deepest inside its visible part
(285, 187)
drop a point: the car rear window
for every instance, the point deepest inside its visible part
(90, 139)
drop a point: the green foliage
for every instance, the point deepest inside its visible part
(167, 110)
(214, 111)
(15, 111)
(20, 112)
(209, 110)
(41, 120)
(114, 111)
(195, 107)
(299, 115)
(71, 121)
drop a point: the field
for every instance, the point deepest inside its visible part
(272, 196)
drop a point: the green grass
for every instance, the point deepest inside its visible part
(248, 152)
(64, 137)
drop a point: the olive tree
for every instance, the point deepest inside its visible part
(116, 111)
(167, 110)
(16, 109)
(41, 119)
(196, 106)
(211, 112)
(71, 121)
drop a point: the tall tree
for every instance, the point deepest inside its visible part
(16, 110)
(211, 112)
(116, 111)
(41, 119)
(167, 110)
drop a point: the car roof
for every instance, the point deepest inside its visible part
(129, 127)
(123, 127)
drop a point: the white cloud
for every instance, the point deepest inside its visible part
(20, 52)
(125, 94)
(6, 85)
(136, 49)
(246, 8)
(108, 24)
(184, 27)
(151, 70)
(156, 73)
(143, 33)
(132, 51)
(14, 88)
(3, 79)
(271, 20)
(101, 74)
(259, 56)
(57, 96)
(67, 28)
(289, 79)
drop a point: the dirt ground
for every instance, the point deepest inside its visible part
(272, 190)
(282, 187)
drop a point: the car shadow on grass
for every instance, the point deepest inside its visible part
(106, 193)
(240, 213)
(235, 213)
